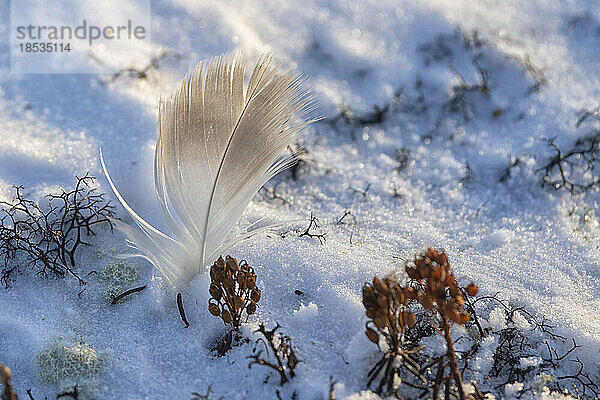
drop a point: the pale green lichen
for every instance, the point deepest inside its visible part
(61, 361)
(100, 252)
(118, 276)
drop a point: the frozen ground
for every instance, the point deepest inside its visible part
(536, 246)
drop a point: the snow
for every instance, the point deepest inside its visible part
(306, 313)
(535, 246)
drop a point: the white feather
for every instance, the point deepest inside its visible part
(217, 145)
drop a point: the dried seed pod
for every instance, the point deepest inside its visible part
(239, 302)
(214, 309)
(380, 286)
(457, 317)
(245, 267)
(371, 313)
(251, 308)
(214, 291)
(427, 302)
(410, 293)
(372, 335)
(413, 273)
(232, 264)
(450, 280)
(382, 301)
(381, 321)
(369, 298)
(216, 274)
(255, 296)
(472, 289)
(226, 315)
(250, 281)
(241, 278)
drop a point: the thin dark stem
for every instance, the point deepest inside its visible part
(182, 311)
(127, 293)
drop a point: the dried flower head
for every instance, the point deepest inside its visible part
(386, 303)
(233, 290)
(438, 290)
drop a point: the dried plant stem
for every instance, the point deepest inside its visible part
(281, 348)
(451, 354)
(127, 293)
(182, 311)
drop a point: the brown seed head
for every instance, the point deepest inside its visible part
(232, 264)
(233, 290)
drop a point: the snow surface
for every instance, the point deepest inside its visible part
(535, 246)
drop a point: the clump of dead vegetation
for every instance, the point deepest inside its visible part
(47, 236)
(530, 353)
(389, 306)
(572, 169)
(525, 353)
(275, 350)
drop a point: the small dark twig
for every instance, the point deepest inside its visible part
(182, 311)
(569, 169)
(5, 278)
(271, 193)
(313, 222)
(593, 112)
(403, 159)
(346, 214)
(471, 309)
(127, 293)
(143, 72)
(281, 348)
(362, 192)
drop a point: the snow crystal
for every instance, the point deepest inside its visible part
(306, 313)
(497, 319)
